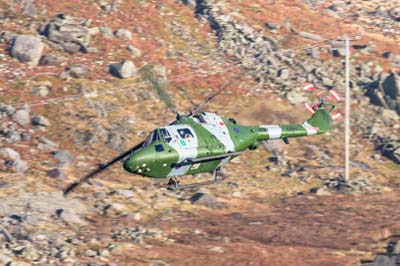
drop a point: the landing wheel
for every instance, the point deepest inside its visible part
(173, 184)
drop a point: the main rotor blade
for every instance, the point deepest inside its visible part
(206, 101)
(101, 168)
(149, 73)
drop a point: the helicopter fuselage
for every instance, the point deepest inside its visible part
(205, 142)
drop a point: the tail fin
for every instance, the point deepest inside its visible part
(321, 119)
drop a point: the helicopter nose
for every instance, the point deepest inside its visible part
(134, 164)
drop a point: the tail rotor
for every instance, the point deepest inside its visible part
(317, 96)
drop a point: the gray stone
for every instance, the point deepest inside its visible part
(396, 248)
(27, 49)
(71, 47)
(39, 120)
(13, 136)
(394, 13)
(9, 153)
(271, 26)
(18, 166)
(51, 60)
(9, 109)
(283, 73)
(5, 260)
(78, 71)
(123, 70)
(384, 260)
(63, 157)
(204, 199)
(327, 82)
(314, 52)
(123, 33)
(104, 253)
(45, 204)
(41, 91)
(125, 192)
(331, 13)
(48, 142)
(391, 86)
(339, 52)
(56, 173)
(106, 32)
(67, 33)
(90, 253)
(29, 8)
(135, 51)
(310, 36)
(21, 117)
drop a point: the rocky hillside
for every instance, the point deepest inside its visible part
(82, 81)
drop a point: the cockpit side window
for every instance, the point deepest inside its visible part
(200, 117)
(153, 137)
(165, 135)
(185, 133)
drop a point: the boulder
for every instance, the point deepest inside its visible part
(63, 157)
(339, 52)
(331, 13)
(67, 33)
(18, 166)
(29, 8)
(56, 173)
(5, 260)
(391, 85)
(51, 60)
(106, 32)
(21, 117)
(271, 26)
(123, 70)
(39, 120)
(78, 71)
(135, 51)
(122, 33)
(27, 49)
(9, 153)
(394, 13)
(41, 91)
(204, 198)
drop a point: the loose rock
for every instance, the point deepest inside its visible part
(39, 120)
(27, 49)
(123, 70)
(21, 117)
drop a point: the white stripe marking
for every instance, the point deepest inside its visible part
(274, 131)
(216, 126)
(309, 128)
(187, 152)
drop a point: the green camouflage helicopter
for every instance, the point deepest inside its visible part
(201, 142)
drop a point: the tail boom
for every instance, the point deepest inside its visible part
(319, 123)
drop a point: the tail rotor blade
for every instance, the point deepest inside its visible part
(308, 87)
(336, 116)
(309, 108)
(335, 95)
(101, 168)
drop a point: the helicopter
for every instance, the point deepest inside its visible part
(199, 142)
